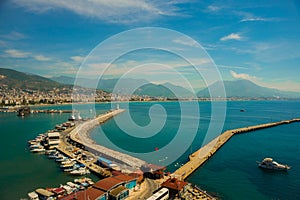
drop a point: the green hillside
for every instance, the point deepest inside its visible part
(15, 79)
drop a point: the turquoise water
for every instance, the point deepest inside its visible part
(232, 173)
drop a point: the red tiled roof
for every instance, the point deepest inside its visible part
(174, 184)
(124, 177)
(156, 167)
(115, 173)
(107, 183)
(90, 194)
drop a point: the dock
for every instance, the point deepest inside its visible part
(50, 111)
(89, 164)
(199, 157)
(79, 136)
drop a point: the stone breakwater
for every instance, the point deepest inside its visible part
(199, 157)
(80, 135)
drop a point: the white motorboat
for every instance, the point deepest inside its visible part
(80, 171)
(269, 163)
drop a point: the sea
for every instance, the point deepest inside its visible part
(166, 133)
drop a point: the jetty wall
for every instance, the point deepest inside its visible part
(199, 157)
(80, 136)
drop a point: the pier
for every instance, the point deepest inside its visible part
(89, 164)
(79, 136)
(199, 157)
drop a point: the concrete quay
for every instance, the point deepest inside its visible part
(80, 137)
(89, 164)
(199, 157)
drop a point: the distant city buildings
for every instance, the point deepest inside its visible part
(18, 96)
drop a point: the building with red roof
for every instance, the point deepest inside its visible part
(90, 193)
(130, 181)
(175, 186)
(108, 184)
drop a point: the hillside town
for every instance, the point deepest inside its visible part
(19, 97)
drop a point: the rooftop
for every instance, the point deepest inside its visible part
(115, 192)
(124, 177)
(107, 183)
(174, 184)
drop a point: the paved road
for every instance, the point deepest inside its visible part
(148, 189)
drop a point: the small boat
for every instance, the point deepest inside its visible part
(72, 118)
(49, 152)
(37, 149)
(269, 163)
(80, 171)
(68, 161)
(61, 159)
(33, 196)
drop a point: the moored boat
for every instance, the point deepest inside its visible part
(33, 196)
(269, 163)
(80, 171)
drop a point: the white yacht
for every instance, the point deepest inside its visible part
(269, 163)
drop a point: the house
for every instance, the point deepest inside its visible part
(153, 171)
(175, 186)
(129, 181)
(90, 193)
(119, 193)
(108, 184)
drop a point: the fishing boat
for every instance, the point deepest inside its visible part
(269, 163)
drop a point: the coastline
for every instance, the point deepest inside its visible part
(175, 100)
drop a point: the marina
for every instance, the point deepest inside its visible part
(80, 161)
(64, 177)
(78, 136)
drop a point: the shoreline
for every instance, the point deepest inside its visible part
(180, 100)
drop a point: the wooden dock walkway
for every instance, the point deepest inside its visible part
(199, 157)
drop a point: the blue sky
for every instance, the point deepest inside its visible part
(255, 40)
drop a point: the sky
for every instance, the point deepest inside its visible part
(253, 40)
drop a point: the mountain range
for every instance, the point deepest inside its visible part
(15, 79)
(143, 87)
(234, 89)
(245, 89)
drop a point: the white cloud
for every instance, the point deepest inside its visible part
(232, 36)
(41, 58)
(116, 11)
(13, 53)
(243, 76)
(213, 8)
(251, 19)
(77, 58)
(186, 41)
(14, 35)
(231, 67)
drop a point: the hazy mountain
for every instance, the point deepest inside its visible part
(143, 87)
(164, 90)
(104, 84)
(15, 79)
(245, 89)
